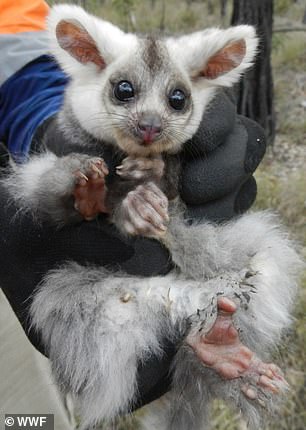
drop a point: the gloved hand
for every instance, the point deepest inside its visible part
(219, 162)
(216, 183)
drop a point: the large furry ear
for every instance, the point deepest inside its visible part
(73, 38)
(218, 56)
(80, 41)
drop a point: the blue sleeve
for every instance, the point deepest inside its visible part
(28, 98)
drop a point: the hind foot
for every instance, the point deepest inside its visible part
(221, 349)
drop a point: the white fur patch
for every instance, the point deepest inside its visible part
(110, 40)
(189, 54)
(193, 51)
(24, 180)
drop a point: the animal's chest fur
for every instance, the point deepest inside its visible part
(56, 139)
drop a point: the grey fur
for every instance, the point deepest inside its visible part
(45, 185)
(98, 325)
(154, 55)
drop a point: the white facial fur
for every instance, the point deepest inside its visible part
(154, 67)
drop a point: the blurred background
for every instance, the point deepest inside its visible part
(274, 94)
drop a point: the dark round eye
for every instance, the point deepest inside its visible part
(124, 91)
(177, 99)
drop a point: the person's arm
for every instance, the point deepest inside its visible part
(29, 250)
(22, 34)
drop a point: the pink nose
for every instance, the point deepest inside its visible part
(149, 127)
(149, 133)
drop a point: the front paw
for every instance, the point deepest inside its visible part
(141, 168)
(90, 189)
(144, 211)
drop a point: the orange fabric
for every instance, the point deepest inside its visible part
(22, 15)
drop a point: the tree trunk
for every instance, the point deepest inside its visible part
(255, 92)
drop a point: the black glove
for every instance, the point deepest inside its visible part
(216, 183)
(219, 161)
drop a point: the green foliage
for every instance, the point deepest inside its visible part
(223, 418)
(284, 194)
(124, 6)
(282, 6)
(291, 50)
(124, 9)
(278, 41)
(187, 19)
(128, 423)
(151, 15)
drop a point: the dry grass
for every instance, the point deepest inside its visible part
(289, 60)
